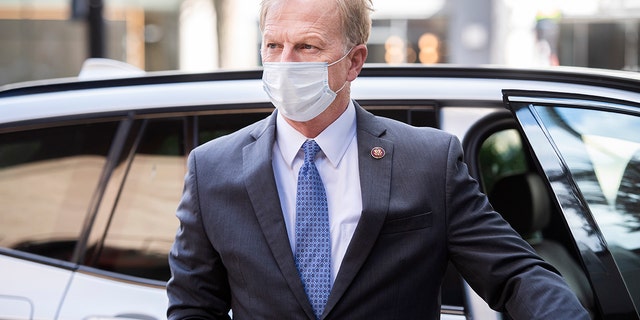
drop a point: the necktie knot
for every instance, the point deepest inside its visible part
(311, 149)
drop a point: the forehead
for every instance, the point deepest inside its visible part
(301, 18)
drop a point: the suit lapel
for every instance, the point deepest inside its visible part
(375, 183)
(263, 192)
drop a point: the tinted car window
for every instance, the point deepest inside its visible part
(501, 154)
(601, 150)
(48, 177)
(210, 127)
(136, 223)
(142, 224)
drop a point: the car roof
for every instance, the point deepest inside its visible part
(119, 93)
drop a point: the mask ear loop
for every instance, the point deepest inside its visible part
(343, 85)
(345, 55)
(332, 63)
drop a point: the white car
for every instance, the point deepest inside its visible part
(91, 172)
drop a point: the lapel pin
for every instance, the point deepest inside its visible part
(377, 152)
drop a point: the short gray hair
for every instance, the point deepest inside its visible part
(354, 14)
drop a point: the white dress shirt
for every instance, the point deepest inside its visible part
(337, 164)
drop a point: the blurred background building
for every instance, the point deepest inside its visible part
(51, 38)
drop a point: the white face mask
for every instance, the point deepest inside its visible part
(300, 90)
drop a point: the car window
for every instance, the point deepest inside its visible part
(136, 224)
(210, 127)
(602, 152)
(48, 177)
(140, 231)
(501, 154)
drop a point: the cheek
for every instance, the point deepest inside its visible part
(337, 79)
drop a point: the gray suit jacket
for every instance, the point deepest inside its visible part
(421, 209)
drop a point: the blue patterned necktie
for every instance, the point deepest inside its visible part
(313, 242)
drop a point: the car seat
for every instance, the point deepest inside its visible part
(523, 201)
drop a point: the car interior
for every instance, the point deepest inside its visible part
(523, 200)
(516, 190)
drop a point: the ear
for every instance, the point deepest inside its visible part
(357, 56)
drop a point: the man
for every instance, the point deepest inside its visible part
(394, 205)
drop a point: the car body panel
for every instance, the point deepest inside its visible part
(31, 290)
(86, 292)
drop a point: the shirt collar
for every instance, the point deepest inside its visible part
(333, 141)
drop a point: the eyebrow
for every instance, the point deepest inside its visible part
(306, 38)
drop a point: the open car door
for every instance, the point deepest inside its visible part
(589, 150)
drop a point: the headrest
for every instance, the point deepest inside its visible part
(523, 201)
(627, 199)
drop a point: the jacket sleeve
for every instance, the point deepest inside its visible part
(498, 264)
(198, 288)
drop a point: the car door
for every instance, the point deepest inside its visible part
(588, 148)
